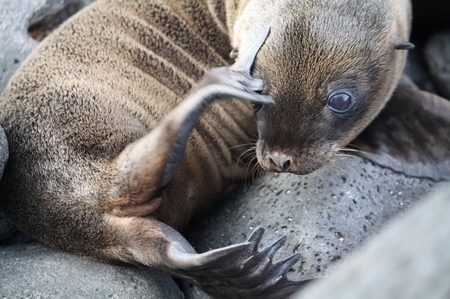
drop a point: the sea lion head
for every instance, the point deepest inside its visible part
(330, 67)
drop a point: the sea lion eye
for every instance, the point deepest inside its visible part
(340, 102)
(256, 105)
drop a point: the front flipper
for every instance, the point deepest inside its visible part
(410, 135)
(236, 271)
(149, 164)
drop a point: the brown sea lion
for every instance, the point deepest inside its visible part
(103, 162)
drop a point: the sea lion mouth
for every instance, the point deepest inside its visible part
(300, 161)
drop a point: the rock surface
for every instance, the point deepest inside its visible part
(326, 215)
(3, 151)
(35, 271)
(409, 259)
(437, 55)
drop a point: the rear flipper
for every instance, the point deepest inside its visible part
(236, 271)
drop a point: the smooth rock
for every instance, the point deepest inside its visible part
(437, 55)
(409, 259)
(417, 70)
(15, 43)
(35, 271)
(326, 215)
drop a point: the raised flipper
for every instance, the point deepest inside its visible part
(410, 135)
(149, 164)
(236, 271)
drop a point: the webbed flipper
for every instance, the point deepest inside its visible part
(410, 135)
(149, 164)
(236, 271)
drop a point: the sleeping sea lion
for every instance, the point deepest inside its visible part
(107, 160)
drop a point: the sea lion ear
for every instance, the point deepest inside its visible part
(234, 53)
(410, 135)
(399, 44)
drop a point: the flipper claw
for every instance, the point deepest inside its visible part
(256, 237)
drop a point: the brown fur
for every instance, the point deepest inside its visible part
(123, 72)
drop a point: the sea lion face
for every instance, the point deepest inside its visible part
(330, 70)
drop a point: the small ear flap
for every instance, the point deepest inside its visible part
(399, 44)
(410, 135)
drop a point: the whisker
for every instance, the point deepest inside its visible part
(239, 145)
(351, 150)
(249, 170)
(247, 154)
(355, 148)
(241, 137)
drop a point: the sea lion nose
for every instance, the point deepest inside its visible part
(282, 162)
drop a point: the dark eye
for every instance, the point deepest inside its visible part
(256, 105)
(340, 102)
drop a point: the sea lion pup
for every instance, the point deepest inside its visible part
(95, 136)
(105, 161)
(331, 67)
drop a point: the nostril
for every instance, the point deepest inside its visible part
(279, 162)
(273, 162)
(286, 165)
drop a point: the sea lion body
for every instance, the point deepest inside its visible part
(97, 126)
(95, 118)
(123, 75)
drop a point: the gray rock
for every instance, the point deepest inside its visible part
(437, 55)
(3, 151)
(35, 271)
(15, 43)
(326, 215)
(409, 259)
(416, 69)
